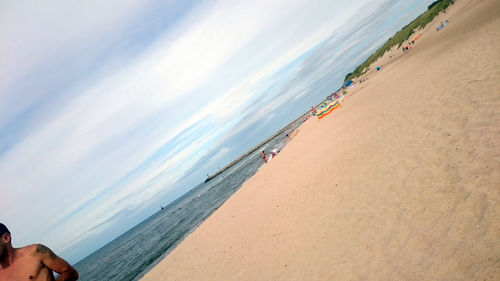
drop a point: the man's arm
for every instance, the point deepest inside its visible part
(57, 264)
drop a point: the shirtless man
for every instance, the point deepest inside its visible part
(263, 156)
(30, 263)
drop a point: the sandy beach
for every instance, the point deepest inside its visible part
(401, 183)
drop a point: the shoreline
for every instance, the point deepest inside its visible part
(220, 171)
(401, 183)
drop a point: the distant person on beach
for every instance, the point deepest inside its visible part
(273, 153)
(313, 110)
(33, 262)
(263, 156)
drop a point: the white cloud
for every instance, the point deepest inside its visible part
(35, 35)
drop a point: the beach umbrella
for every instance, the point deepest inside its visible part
(328, 109)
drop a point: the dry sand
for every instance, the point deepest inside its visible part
(401, 183)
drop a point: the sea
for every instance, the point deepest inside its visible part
(133, 254)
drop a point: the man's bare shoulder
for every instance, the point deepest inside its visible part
(35, 250)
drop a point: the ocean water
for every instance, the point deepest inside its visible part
(134, 253)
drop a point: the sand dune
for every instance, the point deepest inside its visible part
(401, 183)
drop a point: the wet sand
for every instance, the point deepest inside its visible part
(401, 183)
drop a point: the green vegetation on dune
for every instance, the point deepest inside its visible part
(401, 36)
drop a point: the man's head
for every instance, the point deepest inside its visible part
(4, 240)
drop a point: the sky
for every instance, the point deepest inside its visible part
(109, 109)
